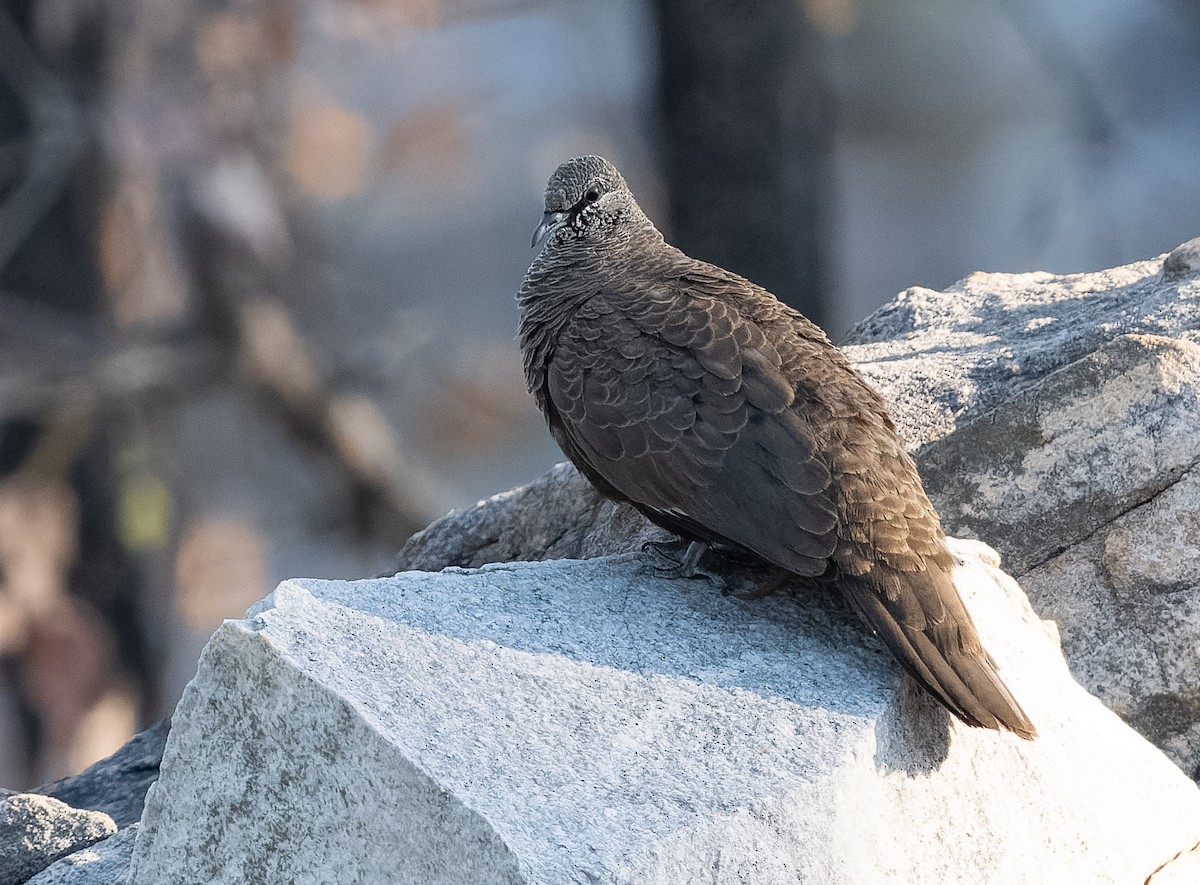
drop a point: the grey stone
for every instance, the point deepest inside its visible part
(116, 785)
(104, 863)
(37, 830)
(1059, 460)
(1128, 611)
(942, 359)
(1183, 260)
(1095, 420)
(589, 721)
(559, 516)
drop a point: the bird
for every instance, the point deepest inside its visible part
(729, 419)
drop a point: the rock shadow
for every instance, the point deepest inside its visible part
(915, 739)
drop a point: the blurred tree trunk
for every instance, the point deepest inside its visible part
(73, 657)
(155, 264)
(747, 122)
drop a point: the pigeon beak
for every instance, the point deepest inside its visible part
(550, 223)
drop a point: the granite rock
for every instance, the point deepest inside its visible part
(592, 721)
(104, 863)
(37, 830)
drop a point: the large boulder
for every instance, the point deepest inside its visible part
(592, 721)
(1058, 419)
(1055, 418)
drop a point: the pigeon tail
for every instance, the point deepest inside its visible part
(945, 656)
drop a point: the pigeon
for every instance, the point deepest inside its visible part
(729, 419)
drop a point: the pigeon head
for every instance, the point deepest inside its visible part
(584, 199)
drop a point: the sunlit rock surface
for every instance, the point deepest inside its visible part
(590, 721)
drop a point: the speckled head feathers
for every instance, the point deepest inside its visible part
(571, 182)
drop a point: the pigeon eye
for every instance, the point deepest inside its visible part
(592, 195)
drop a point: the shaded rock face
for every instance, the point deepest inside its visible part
(560, 516)
(592, 721)
(116, 785)
(103, 863)
(1054, 417)
(67, 831)
(1183, 261)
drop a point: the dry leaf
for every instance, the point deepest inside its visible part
(328, 150)
(220, 571)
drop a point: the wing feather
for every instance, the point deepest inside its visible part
(690, 416)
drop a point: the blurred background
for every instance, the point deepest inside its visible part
(258, 258)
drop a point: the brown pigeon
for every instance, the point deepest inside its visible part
(729, 419)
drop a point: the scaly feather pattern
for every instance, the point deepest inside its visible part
(727, 417)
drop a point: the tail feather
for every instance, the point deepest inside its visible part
(926, 627)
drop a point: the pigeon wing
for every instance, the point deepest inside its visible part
(679, 404)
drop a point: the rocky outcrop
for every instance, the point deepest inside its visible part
(1073, 449)
(592, 721)
(1054, 417)
(68, 830)
(588, 720)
